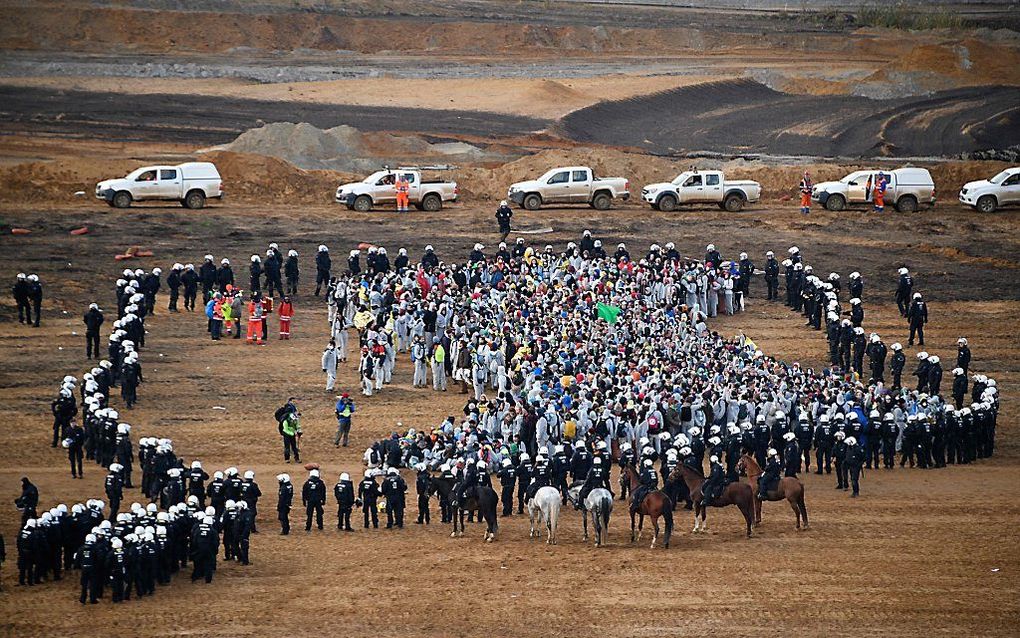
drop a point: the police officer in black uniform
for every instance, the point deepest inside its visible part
(284, 500)
(343, 491)
(917, 315)
(904, 288)
(368, 496)
(394, 489)
(854, 463)
(507, 481)
(899, 361)
(93, 320)
(313, 497)
(503, 215)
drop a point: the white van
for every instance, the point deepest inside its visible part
(907, 189)
(191, 184)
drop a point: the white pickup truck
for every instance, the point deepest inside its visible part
(701, 187)
(191, 184)
(986, 195)
(381, 188)
(569, 184)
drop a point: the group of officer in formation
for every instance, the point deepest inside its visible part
(556, 385)
(130, 551)
(136, 549)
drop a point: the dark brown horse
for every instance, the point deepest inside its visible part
(654, 504)
(789, 488)
(739, 494)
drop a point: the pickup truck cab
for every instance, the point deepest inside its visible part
(568, 185)
(986, 195)
(191, 184)
(701, 187)
(381, 188)
(907, 189)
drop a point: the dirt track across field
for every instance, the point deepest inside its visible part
(742, 116)
(920, 552)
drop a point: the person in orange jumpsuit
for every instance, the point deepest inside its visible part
(879, 193)
(286, 312)
(805, 193)
(255, 319)
(267, 309)
(403, 190)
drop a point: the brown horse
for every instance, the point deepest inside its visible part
(654, 504)
(739, 494)
(789, 488)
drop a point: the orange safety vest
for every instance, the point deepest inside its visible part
(286, 310)
(403, 186)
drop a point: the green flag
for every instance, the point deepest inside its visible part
(609, 313)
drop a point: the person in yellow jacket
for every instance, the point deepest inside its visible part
(228, 315)
(438, 365)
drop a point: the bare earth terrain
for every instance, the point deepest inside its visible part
(94, 89)
(916, 552)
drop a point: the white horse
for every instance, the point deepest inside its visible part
(545, 506)
(599, 504)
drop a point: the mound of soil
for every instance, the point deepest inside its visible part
(343, 148)
(747, 117)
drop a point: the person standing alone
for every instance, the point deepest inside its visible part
(403, 191)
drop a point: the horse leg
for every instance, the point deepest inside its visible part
(802, 508)
(655, 523)
(757, 510)
(697, 521)
(796, 510)
(453, 534)
(584, 517)
(633, 536)
(461, 532)
(640, 525)
(748, 511)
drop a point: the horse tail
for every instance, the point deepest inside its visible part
(606, 506)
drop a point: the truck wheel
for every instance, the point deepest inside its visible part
(533, 201)
(667, 203)
(363, 203)
(194, 200)
(733, 203)
(601, 201)
(122, 199)
(907, 204)
(431, 203)
(986, 204)
(835, 202)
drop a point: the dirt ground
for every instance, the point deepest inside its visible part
(92, 91)
(921, 552)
